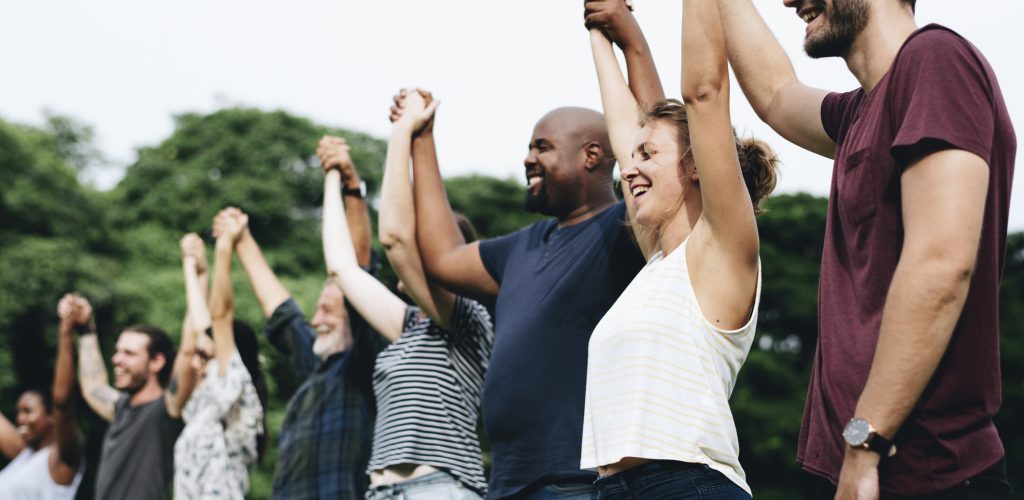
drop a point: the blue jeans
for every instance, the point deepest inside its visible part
(434, 486)
(563, 491)
(665, 479)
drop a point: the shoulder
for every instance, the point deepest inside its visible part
(937, 47)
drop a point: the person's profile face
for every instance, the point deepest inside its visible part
(330, 322)
(656, 175)
(33, 422)
(552, 173)
(831, 25)
(132, 364)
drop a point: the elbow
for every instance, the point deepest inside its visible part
(392, 237)
(704, 91)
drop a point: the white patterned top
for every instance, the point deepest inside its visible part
(217, 448)
(659, 375)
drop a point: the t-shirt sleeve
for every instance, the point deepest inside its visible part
(469, 320)
(288, 330)
(494, 253)
(941, 98)
(835, 111)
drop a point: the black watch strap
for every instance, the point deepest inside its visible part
(879, 444)
(359, 192)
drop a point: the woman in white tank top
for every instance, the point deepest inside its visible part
(44, 449)
(663, 361)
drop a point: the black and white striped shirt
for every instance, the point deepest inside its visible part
(428, 386)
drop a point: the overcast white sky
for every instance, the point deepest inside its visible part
(126, 67)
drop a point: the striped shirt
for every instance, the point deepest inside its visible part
(428, 385)
(660, 375)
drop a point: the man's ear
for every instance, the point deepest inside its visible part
(594, 155)
(157, 363)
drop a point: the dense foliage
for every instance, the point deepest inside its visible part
(120, 248)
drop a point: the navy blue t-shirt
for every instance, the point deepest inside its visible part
(556, 284)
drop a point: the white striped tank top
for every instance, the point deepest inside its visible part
(659, 375)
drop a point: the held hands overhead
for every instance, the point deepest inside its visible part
(414, 108)
(230, 224)
(614, 18)
(75, 310)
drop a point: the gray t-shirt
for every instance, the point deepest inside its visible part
(138, 452)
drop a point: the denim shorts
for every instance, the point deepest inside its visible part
(434, 486)
(664, 479)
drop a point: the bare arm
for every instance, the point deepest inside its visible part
(11, 442)
(621, 115)
(269, 291)
(615, 19)
(942, 222)
(64, 464)
(197, 320)
(222, 302)
(358, 218)
(447, 259)
(92, 377)
(398, 216)
(381, 308)
(766, 75)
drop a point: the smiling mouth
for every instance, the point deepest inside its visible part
(533, 180)
(810, 15)
(639, 190)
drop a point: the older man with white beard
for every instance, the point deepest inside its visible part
(325, 439)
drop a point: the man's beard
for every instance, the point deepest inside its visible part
(536, 203)
(135, 383)
(326, 345)
(846, 19)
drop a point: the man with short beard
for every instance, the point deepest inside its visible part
(138, 448)
(326, 437)
(551, 282)
(906, 380)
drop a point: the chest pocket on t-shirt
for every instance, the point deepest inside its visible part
(860, 182)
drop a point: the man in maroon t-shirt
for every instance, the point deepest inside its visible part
(908, 350)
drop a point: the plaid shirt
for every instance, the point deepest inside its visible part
(326, 437)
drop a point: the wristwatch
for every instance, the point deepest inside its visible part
(359, 192)
(858, 433)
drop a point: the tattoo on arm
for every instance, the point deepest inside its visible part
(172, 388)
(104, 395)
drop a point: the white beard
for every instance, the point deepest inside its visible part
(329, 344)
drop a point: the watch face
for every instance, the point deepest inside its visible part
(856, 432)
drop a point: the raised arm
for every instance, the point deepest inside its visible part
(11, 442)
(197, 319)
(269, 291)
(228, 227)
(447, 259)
(726, 278)
(64, 464)
(356, 214)
(92, 372)
(621, 116)
(766, 75)
(398, 213)
(615, 19)
(381, 308)
(726, 204)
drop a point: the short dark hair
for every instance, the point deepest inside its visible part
(44, 394)
(159, 343)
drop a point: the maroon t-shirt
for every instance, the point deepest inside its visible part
(939, 93)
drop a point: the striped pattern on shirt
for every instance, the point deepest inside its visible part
(428, 385)
(659, 375)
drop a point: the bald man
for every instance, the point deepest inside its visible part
(551, 282)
